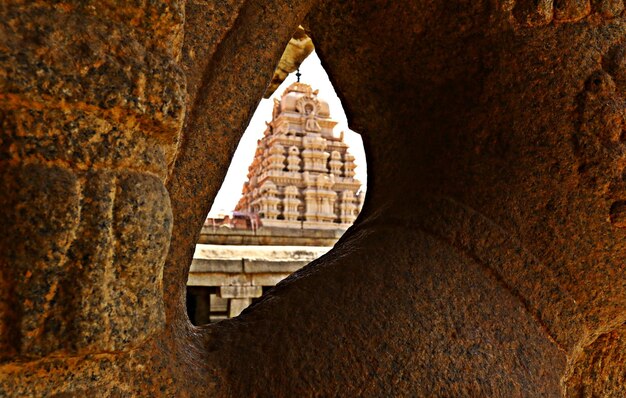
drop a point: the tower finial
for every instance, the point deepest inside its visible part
(298, 74)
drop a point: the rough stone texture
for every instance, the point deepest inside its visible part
(495, 270)
(299, 47)
(91, 104)
(597, 375)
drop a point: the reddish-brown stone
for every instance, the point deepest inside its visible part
(609, 8)
(571, 10)
(487, 261)
(534, 12)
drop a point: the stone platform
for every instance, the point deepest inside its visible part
(270, 236)
(224, 279)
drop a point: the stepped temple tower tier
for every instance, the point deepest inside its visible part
(302, 175)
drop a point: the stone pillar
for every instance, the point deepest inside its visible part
(291, 203)
(308, 160)
(276, 159)
(236, 305)
(347, 207)
(335, 163)
(271, 201)
(88, 130)
(323, 162)
(239, 297)
(293, 160)
(310, 200)
(313, 155)
(349, 166)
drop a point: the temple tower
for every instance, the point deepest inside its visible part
(302, 175)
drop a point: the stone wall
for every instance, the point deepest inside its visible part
(487, 261)
(225, 279)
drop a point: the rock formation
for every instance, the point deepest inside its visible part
(487, 260)
(299, 47)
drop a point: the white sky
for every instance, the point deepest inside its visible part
(314, 75)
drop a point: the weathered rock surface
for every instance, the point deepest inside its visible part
(495, 268)
(299, 47)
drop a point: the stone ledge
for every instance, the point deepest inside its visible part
(258, 253)
(269, 266)
(221, 279)
(216, 265)
(268, 236)
(240, 291)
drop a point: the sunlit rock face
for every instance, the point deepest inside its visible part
(91, 109)
(299, 47)
(92, 102)
(487, 260)
(302, 175)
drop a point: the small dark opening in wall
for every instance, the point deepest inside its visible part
(286, 207)
(199, 307)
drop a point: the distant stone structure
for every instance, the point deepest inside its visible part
(302, 175)
(300, 197)
(224, 280)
